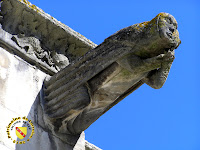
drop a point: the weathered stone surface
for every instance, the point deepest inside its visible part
(42, 40)
(83, 80)
(81, 143)
(21, 81)
(142, 53)
(89, 146)
(19, 86)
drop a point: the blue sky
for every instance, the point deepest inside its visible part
(148, 119)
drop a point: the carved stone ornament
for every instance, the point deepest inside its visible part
(79, 94)
(39, 38)
(85, 80)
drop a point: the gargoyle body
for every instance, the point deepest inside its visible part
(80, 93)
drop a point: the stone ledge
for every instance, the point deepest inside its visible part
(89, 146)
(45, 42)
(9, 45)
(70, 31)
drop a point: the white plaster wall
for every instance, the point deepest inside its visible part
(19, 86)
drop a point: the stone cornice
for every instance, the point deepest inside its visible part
(41, 39)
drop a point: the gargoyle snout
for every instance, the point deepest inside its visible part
(167, 26)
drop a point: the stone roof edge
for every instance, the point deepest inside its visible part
(54, 57)
(9, 45)
(90, 146)
(58, 23)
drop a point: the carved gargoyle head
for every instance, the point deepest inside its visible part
(161, 32)
(165, 26)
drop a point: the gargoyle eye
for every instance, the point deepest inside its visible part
(169, 20)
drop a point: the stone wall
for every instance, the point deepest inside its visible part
(54, 83)
(20, 84)
(24, 64)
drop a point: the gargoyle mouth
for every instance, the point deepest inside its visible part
(167, 26)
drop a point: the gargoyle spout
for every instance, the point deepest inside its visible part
(142, 53)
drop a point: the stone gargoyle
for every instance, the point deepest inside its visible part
(76, 96)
